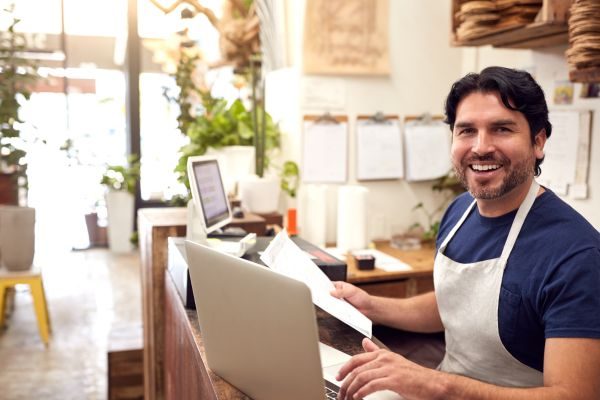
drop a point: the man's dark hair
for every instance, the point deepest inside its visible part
(518, 91)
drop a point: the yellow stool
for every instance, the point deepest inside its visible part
(33, 278)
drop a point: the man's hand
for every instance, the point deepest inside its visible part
(355, 296)
(378, 369)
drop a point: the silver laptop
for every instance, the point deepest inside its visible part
(259, 329)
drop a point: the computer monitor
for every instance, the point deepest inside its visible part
(208, 192)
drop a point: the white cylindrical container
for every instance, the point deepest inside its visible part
(352, 218)
(314, 214)
(17, 237)
(236, 163)
(120, 209)
(260, 195)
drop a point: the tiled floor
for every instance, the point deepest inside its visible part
(88, 293)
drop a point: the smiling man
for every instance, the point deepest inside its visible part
(517, 270)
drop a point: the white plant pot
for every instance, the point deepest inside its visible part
(120, 209)
(236, 163)
(260, 195)
(17, 237)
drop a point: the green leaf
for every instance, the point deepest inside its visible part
(119, 177)
(238, 110)
(245, 131)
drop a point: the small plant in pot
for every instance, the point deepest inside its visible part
(450, 187)
(121, 182)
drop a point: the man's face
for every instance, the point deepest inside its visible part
(492, 151)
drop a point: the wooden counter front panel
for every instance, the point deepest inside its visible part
(185, 373)
(154, 231)
(155, 225)
(399, 288)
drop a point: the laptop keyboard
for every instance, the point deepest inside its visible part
(331, 390)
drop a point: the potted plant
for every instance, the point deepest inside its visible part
(240, 137)
(17, 75)
(121, 183)
(224, 127)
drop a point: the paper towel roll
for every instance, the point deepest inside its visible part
(352, 218)
(314, 220)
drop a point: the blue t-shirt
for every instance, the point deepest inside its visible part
(551, 284)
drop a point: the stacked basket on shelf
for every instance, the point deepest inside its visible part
(479, 17)
(584, 35)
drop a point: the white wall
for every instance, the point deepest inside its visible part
(423, 67)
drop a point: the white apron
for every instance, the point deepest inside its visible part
(467, 297)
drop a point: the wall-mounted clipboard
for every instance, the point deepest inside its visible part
(427, 141)
(379, 153)
(325, 149)
(566, 165)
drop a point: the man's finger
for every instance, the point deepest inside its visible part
(361, 377)
(354, 363)
(372, 386)
(368, 345)
(338, 290)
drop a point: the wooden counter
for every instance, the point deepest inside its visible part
(419, 279)
(157, 224)
(189, 377)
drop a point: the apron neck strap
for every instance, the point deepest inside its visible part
(514, 229)
(519, 220)
(450, 235)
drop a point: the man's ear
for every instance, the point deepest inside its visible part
(539, 142)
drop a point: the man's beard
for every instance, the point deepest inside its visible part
(516, 176)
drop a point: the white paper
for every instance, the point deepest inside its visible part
(560, 163)
(323, 94)
(583, 150)
(285, 257)
(379, 150)
(385, 261)
(427, 151)
(558, 187)
(325, 152)
(579, 191)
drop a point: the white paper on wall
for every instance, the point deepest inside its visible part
(427, 150)
(325, 152)
(567, 152)
(579, 189)
(323, 93)
(379, 150)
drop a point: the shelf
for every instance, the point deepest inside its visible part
(536, 34)
(587, 75)
(550, 28)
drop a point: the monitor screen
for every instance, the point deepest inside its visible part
(211, 192)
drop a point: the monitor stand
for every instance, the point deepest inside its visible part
(197, 233)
